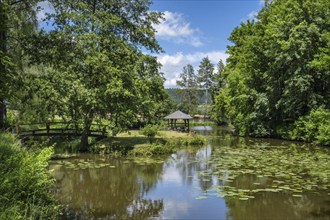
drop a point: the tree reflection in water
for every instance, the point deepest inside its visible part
(103, 192)
(170, 189)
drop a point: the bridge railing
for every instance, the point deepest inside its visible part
(58, 128)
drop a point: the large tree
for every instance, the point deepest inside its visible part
(17, 21)
(93, 51)
(188, 84)
(154, 102)
(206, 80)
(278, 69)
(218, 78)
(205, 74)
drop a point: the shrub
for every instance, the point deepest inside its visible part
(197, 140)
(150, 130)
(25, 181)
(314, 127)
(148, 150)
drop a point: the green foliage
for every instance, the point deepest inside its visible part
(206, 79)
(113, 148)
(293, 169)
(25, 181)
(194, 140)
(148, 150)
(134, 144)
(176, 96)
(218, 77)
(93, 63)
(150, 131)
(205, 74)
(189, 92)
(314, 127)
(277, 71)
(197, 140)
(17, 21)
(167, 146)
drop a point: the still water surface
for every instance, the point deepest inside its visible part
(179, 186)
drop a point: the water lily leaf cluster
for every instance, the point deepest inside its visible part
(81, 164)
(288, 169)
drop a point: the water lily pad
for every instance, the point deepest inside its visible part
(296, 195)
(201, 197)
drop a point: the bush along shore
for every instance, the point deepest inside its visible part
(147, 144)
(26, 184)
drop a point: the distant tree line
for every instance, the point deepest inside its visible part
(176, 96)
(198, 88)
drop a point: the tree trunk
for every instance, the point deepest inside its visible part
(85, 133)
(84, 141)
(2, 113)
(3, 41)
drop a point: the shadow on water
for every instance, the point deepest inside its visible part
(189, 184)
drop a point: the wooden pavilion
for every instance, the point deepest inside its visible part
(175, 118)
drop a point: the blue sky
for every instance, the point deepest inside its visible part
(197, 28)
(194, 29)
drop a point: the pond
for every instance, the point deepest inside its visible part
(230, 178)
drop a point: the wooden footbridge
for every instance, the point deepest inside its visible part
(59, 129)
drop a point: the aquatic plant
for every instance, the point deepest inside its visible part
(288, 169)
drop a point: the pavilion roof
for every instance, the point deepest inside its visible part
(178, 115)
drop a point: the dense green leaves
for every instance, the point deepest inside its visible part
(314, 127)
(206, 73)
(278, 68)
(95, 65)
(17, 21)
(25, 181)
(150, 130)
(189, 85)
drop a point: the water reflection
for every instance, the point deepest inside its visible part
(182, 182)
(109, 192)
(268, 205)
(185, 186)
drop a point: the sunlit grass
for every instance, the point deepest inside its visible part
(161, 134)
(136, 144)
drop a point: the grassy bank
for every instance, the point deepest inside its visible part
(202, 123)
(25, 186)
(133, 143)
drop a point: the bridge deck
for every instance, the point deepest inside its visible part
(64, 131)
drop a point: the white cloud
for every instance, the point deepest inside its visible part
(173, 64)
(252, 15)
(175, 28)
(45, 7)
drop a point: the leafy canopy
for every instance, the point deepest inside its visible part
(278, 69)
